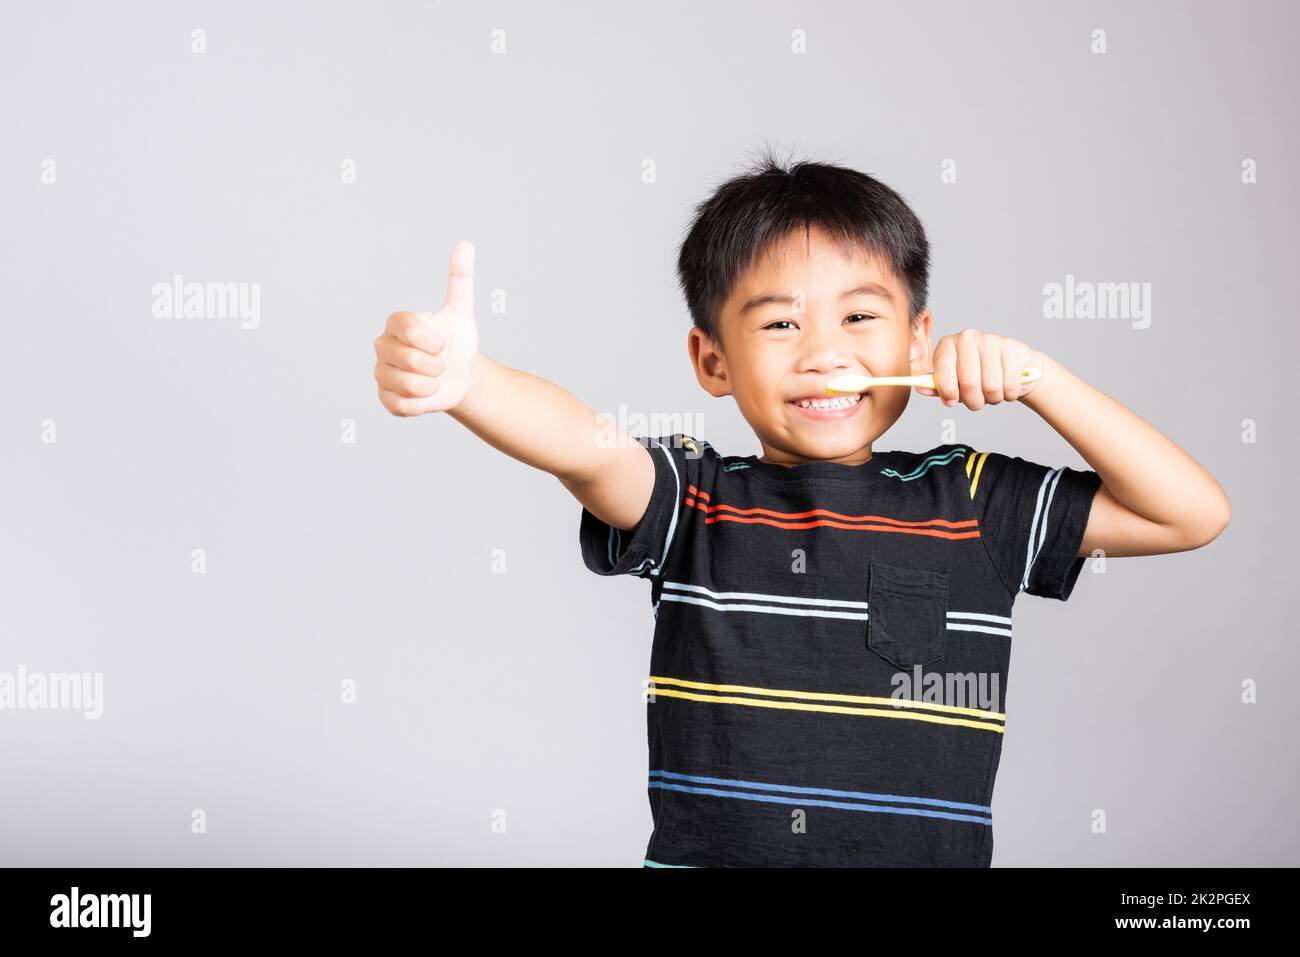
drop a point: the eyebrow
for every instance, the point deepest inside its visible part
(866, 289)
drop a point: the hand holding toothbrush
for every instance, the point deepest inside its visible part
(971, 367)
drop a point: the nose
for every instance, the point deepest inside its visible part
(825, 351)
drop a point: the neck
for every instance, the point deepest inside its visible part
(858, 458)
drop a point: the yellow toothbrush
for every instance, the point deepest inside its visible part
(861, 383)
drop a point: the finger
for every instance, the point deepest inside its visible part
(406, 384)
(945, 372)
(969, 379)
(394, 353)
(412, 329)
(991, 370)
(1011, 387)
(460, 277)
(400, 405)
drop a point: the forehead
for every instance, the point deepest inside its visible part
(815, 262)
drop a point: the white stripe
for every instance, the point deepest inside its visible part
(978, 617)
(1038, 529)
(960, 616)
(677, 501)
(815, 613)
(988, 631)
(757, 596)
(770, 609)
(1033, 527)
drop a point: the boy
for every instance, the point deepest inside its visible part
(832, 622)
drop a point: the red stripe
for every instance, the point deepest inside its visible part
(795, 526)
(697, 493)
(790, 520)
(791, 516)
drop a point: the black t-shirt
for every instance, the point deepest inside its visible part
(831, 642)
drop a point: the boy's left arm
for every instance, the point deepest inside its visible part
(1154, 497)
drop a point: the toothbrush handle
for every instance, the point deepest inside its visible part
(927, 381)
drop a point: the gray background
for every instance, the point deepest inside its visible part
(372, 561)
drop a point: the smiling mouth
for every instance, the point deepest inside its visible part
(830, 403)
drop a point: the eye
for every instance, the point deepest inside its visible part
(862, 315)
(773, 325)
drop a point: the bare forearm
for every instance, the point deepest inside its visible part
(1139, 465)
(533, 420)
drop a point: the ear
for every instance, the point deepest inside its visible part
(918, 351)
(709, 362)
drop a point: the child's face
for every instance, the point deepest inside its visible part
(803, 316)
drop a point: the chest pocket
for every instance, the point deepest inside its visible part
(907, 614)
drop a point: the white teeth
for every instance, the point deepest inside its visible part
(839, 402)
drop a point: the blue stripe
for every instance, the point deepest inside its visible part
(650, 863)
(941, 459)
(773, 799)
(829, 792)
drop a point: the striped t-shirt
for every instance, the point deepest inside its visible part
(829, 666)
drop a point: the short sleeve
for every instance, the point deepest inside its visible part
(644, 551)
(1031, 520)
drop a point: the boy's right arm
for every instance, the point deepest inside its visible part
(431, 363)
(537, 422)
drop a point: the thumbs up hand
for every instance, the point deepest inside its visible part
(428, 362)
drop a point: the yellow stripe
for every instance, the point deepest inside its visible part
(978, 468)
(829, 696)
(795, 706)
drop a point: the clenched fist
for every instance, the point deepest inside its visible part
(428, 362)
(980, 368)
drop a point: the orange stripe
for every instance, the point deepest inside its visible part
(935, 533)
(791, 516)
(866, 523)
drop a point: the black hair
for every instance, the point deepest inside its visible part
(753, 212)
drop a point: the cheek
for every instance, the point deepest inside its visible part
(756, 383)
(890, 358)
(757, 397)
(890, 402)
